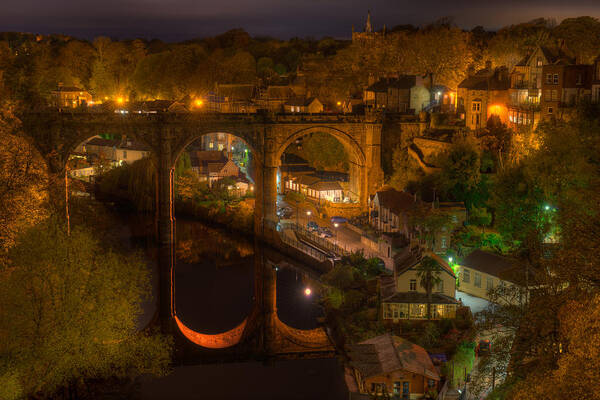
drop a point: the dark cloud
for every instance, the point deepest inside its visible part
(184, 19)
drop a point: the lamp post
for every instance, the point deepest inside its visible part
(336, 225)
(308, 213)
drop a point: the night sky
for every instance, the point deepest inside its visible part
(175, 20)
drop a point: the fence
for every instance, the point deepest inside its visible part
(314, 253)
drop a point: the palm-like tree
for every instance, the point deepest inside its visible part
(428, 272)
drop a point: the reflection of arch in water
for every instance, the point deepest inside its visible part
(215, 341)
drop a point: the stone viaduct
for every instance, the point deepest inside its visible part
(56, 135)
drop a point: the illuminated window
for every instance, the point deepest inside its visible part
(539, 62)
(220, 146)
(211, 145)
(413, 285)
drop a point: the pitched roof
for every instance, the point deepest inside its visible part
(307, 180)
(489, 263)
(386, 353)
(325, 185)
(98, 141)
(402, 82)
(292, 159)
(395, 200)
(487, 80)
(235, 92)
(152, 105)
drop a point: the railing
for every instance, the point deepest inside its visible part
(319, 241)
(314, 253)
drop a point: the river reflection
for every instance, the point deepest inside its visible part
(214, 281)
(214, 272)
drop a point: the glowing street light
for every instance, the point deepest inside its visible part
(307, 292)
(199, 102)
(450, 259)
(120, 100)
(339, 103)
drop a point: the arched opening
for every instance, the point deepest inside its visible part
(97, 181)
(214, 194)
(324, 169)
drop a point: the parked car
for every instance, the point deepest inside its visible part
(325, 232)
(338, 220)
(312, 226)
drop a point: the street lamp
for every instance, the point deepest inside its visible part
(307, 292)
(308, 214)
(336, 225)
(450, 259)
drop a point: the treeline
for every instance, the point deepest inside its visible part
(138, 69)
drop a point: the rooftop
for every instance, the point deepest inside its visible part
(489, 263)
(386, 353)
(396, 201)
(402, 82)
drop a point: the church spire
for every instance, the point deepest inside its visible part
(368, 27)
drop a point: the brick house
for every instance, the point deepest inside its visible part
(526, 86)
(402, 94)
(389, 366)
(483, 94)
(564, 86)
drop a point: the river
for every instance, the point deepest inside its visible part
(214, 292)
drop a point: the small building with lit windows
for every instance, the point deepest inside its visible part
(315, 188)
(482, 271)
(402, 296)
(211, 166)
(483, 94)
(70, 97)
(389, 366)
(310, 105)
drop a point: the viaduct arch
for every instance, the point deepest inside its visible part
(56, 135)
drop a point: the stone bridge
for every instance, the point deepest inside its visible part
(56, 135)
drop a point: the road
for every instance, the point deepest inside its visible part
(343, 236)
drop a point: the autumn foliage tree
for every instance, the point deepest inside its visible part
(69, 312)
